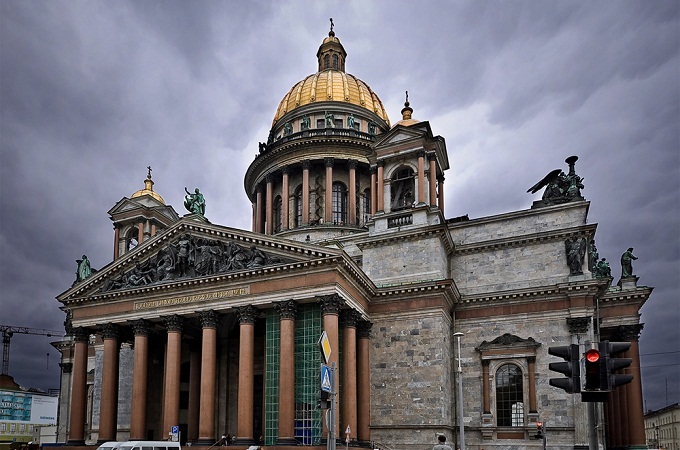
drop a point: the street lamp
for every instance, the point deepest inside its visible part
(461, 424)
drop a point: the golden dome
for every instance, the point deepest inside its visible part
(148, 189)
(331, 84)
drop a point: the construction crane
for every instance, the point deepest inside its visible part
(7, 333)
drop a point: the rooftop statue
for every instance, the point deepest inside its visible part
(602, 269)
(559, 188)
(627, 263)
(84, 269)
(194, 203)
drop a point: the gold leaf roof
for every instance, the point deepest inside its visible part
(331, 83)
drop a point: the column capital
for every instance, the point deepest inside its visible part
(531, 359)
(373, 169)
(174, 323)
(431, 156)
(485, 363)
(364, 329)
(109, 331)
(269, 178)
(209, 318)
(421, 153)
(66, 367)
(629, 332)
(141, 327)
(246, 314)
(350, 318)
(578, 325)
(285, 170)
(380, 163)
(287, 309)
(329, 162)
(352, 164)
(81, 334)
(440, 178)
(330, 304)
(306, 164)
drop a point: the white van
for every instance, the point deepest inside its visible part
(140, 445)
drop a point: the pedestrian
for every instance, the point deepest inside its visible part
(442, 444)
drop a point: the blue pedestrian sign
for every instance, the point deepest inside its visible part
(175, 429)
(326, 377)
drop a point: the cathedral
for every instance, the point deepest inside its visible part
(353, 306)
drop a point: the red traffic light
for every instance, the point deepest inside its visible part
(592, 355)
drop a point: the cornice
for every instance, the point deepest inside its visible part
(592, 287)
(410, 234)
(526, 239)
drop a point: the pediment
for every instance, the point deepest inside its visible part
(126, 204)
(189, 250)
(400, 133)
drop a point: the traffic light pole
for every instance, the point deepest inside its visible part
(331, 412)
(592, 426)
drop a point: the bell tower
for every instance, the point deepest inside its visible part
(139, 218)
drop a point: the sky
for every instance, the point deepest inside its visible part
(93, 92)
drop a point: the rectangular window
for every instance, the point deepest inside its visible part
(271, 390)
(321, 123)
(338, 123)
(308, 328)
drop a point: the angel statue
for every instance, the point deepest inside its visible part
(195, 202)
(559, 187)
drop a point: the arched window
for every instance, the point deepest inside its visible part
(131, 239)
(278, 206)
(298, 206)
(367, 204)
(403, 189)
(326, 61)
(339, 203)
(335, 61)
(509, 396)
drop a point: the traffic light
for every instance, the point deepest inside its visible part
(593, 377)
(570, 367)
(539, 430)
(611, 365)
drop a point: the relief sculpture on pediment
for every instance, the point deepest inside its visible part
(190, 257)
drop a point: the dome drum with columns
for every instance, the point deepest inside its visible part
(315, 177)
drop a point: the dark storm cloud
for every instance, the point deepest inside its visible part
(93, 92)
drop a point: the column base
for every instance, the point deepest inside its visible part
(244, 441)
(76, 442)
(206, 441)
(286, 441)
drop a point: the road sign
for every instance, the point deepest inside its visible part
(325, 345)
(175, 429)
(326, 377)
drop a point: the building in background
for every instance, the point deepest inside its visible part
(207, 330)
(662, 427)
(22, 411)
